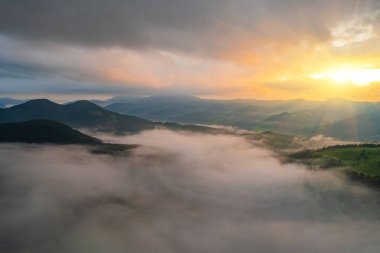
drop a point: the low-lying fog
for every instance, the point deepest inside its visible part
(178, 193)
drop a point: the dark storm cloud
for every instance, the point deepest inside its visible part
(195, 25)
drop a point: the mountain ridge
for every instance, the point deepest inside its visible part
(43, 131)
(78, 114)
(86, 114)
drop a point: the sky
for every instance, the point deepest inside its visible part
(261, 49)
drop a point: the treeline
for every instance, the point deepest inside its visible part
(305, 154)
(359, 145)
(310, 154)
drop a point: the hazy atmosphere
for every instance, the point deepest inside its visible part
(194, 126)
(180, 192)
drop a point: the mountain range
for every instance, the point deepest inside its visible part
(364, 126)
(188, 109)
(338, 118)
(335, 117)
(85, 114)
(80, 114)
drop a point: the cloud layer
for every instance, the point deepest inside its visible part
(178, 193)
(206, 47)
(166, 24)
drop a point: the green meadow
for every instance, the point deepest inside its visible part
(362, 160)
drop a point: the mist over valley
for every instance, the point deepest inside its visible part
(175, 192)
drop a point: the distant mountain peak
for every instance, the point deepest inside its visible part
(79, 114)
(39, 101)
(6, 102)
(35, 104)
(84, 103)
(337, 100)
(173, 98)
(279, 116)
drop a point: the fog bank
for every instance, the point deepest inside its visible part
(178, 192)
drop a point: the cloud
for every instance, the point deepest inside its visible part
(208, 27)
(164, 23)
(318, 141)
(31, 68)
(202, 47)
(179, 192)
(350, 33)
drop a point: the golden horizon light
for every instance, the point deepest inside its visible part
(359, 77)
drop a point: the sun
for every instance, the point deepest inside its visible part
(360, 77)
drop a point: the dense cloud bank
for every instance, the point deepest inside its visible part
(168, 24)
(178, 193)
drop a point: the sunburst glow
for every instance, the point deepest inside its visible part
(360, 77)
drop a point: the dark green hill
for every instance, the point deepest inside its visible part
(301, 121)
(80, 114)
(364, 126)
(43, 131)
(287, 122)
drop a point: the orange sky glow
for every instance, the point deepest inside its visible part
(261, 49)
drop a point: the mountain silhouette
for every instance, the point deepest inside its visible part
(43, 131)
(80, 114)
